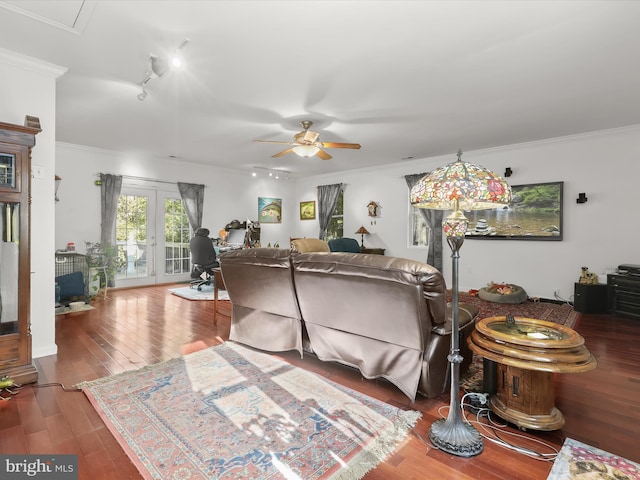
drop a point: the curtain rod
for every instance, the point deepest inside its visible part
(147, 179)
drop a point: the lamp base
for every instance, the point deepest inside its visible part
(457, 438)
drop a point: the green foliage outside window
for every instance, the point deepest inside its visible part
(336, 224)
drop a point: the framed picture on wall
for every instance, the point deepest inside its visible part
(535, 213)
(308, 210)
(269, 210)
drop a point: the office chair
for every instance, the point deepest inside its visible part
(203, 257)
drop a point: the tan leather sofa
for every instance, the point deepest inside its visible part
(385, 316)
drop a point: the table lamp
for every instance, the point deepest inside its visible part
(362, 232)
(458, 186)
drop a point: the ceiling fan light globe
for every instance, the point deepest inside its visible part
(305, 150)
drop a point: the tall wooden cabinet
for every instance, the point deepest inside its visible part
(15, 204)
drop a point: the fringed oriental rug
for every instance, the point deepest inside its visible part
(561, 313)
(231, 412)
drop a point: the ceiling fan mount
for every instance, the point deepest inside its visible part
(306, 143)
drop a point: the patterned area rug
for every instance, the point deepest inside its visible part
(231, 412)
(194, 294)
(563, 314)
(578, 461)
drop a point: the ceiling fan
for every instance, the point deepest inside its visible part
(306, 144)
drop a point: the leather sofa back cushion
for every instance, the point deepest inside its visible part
(392, 293)
(267, 268)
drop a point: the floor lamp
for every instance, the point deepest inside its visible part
(458, 186)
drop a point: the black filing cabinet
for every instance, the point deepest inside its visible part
(590, 298)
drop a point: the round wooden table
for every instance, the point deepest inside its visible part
(528, 352)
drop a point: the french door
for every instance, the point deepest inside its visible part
(152, 237)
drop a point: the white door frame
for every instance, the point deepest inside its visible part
(155, 247)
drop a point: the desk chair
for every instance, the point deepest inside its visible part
(203, 257)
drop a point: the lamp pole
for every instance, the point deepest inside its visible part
(453, 435)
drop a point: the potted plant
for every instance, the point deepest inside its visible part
(103, 265)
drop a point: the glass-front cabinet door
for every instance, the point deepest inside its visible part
(7, 170)
(15, 290)
(9, 267)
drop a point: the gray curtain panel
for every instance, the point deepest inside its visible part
(433, 218)
(193, 200)
(327, 201)
(109, 193)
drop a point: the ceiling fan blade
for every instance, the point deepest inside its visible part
(340, 145)
(323, 155)
(284, 152)
(273, 141)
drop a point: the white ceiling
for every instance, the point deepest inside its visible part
(402, 78)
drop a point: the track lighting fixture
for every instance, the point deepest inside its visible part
(160, 66)
(270, 172)
(142, 95)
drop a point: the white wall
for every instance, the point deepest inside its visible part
(600, 234)
(229, 194)
(27, 87)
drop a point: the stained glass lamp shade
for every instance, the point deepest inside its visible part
(458, 186)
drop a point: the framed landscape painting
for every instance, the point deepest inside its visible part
(308, 210)
(535, 213)
(269, 210)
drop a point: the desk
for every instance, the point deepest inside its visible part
(528, 352)
(218, 284)
(374, 251)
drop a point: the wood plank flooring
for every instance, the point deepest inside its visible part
(138, 327)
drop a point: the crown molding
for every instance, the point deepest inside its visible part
(31, 63)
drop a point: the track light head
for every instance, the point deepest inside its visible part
(160, 66)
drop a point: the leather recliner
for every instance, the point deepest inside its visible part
(386, 316)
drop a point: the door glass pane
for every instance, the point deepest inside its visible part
(9, 241)
(131, 236)
(177, 234)
(7, 170)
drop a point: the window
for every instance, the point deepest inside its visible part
(177, 235)
(335, 229)
(131, 236)
(418, 228)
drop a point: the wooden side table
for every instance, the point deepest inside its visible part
(528, 352)
(218, 284)
(374, 251)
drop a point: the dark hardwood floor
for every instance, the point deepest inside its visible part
(137, 327)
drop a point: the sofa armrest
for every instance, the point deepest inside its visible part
(466, 313)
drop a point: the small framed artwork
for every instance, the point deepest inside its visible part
(308, 210)
(269, 210)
